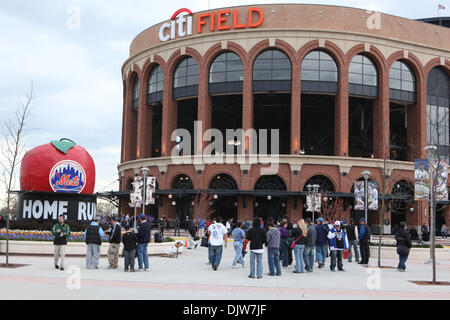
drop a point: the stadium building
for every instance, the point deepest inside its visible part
(338, 90)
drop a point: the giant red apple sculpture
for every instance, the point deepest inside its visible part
(59, 166)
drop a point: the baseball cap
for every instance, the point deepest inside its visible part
(337, 223)
(362, 220)
(320, 219)
(143, 216)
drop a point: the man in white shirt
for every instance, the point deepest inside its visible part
(217, 235)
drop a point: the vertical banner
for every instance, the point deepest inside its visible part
(440, 177)
(422, 180)
(313, 202)
(359, 195)
(372, 196)
(136, 194)
(150, 191)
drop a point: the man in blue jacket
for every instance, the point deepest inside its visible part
(321, 242)
(364, 241)
(143, 238)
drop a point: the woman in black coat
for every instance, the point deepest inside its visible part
(257, 237)
(403, 245)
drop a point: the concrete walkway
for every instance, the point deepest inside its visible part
(188, 277)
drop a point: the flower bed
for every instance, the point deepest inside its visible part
(35, 235)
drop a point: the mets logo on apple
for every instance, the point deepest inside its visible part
(67, 176)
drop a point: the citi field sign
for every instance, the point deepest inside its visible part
(181, 23)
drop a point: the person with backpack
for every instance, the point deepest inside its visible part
(129, 249)
(352, 235)
(338, 244)
(299, 233)
(143, 238)
(257, 237)
(61, 232)
(364, 241)
(115, 236)
(93, 235)
(310, 244)
(404, 244)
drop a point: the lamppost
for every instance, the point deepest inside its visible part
(315, 190)
(144, 171)
(431, 149)
(366, 175)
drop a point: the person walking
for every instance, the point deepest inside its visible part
(284, 251)
(61, 232)
(176, 226)
(201, 227)
(338, 244)
(257, 237)
(192, 234)
(403, 245)
(143, 238)
(352, 235)
(273, 250)
(321, 242)
(115, 237)
(93, 234)
(444, 231)
(364, 241)
(218, 234)
(299, 233)
(310, 244)
(238, 243)
(129, 249)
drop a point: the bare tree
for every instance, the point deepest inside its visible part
(12, 150)
(203, 205)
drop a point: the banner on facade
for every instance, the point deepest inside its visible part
(136, 193)
(150, 191)
(372, 195)
(313, 202)
(422, 180)
(440, 177)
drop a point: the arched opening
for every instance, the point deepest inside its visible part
(185, 91)
(183, 202)
(272, 74)
(268, 206)
(402, 92)
(134, 117)
(402, 197)
(224, 206)
(226, 76)
(326, 187)
(363, 90)
(319, 83)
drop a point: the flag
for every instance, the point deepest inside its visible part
(441, 7)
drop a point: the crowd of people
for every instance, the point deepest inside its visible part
(303, 243)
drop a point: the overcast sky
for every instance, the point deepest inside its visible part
(77, 71)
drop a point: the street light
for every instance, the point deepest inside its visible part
(431, 149)
(144, 171)
(366, 175)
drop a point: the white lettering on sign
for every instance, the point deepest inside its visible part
(38, 209)
(179, 18)
(51, 211)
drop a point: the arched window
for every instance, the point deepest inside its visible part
(362, 77)
(182, 182)
(185, 78)
(135, 95)
(319, 73)
(272, 71)
(402, 83)
(223, 182)
(325, 184)
(226, 73)
(272, 182)
(155, 85)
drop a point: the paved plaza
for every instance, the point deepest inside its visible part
(189, 277)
